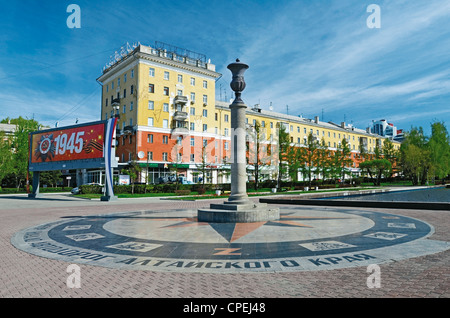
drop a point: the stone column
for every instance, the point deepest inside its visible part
(238, 208)
(238, 150)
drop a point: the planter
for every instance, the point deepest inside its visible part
(218, 192)
(274, 190)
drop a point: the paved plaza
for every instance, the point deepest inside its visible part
(152, 247)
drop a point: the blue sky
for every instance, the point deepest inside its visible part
(317, 57)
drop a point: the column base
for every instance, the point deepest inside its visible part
(109, 198)
(238, 213)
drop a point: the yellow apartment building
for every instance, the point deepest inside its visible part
(169, 117)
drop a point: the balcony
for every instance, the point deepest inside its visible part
(179, 99)
(180, 115)
(180, 131)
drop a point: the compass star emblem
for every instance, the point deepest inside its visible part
(234, 231)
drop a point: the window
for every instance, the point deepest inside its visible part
(180, 92)
(215, 116)
(125, 78)
(131, 121)
(124, 108)
(192, 111)
(225, 118)
(205, 113)
(205, 127)
(151, 105)
(150, 121)
(193, 97)
(131, 106)
(150, 138)
(150, 155)
(151, 88)
(225, 132)
(263, 123)
(165, 123)
(132, 89)
(107, 88)
(192, 126)
(165, 156)
(205, 99)
(205, 142)
(131, 139)
(166, 75)
(132, 73)
(180, 78)
(166, 91)
(106, 102)
(118, 82)
(225, 145)
(192, 81)
(165, 140)
(271, 124)
(124, 93)
(151, 72)
(304, 131)
(192, 142)
(112, 85)
(166, 107)
(192, 157)
(205, 84)
(179, 140)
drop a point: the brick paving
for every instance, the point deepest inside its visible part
(24, 275)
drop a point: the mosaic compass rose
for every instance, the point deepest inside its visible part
(304, 238)
(234, 231)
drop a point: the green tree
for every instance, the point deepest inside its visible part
(376, 169)
(17, 162)
(323, 160)
(310, 157)
(342, 159)
(439, 147)
(256, 158)
(390, 154)
(415, 156)
(283, 148)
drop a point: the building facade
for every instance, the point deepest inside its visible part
(170, 121)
